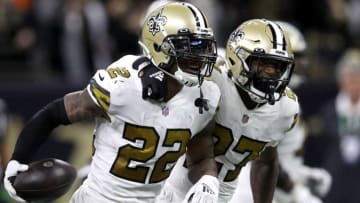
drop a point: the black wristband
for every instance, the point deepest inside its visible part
(38, 128)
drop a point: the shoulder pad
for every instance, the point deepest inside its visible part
(141, 63)
(290, 94)
(290, 107)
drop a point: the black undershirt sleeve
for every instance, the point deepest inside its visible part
(38, 129)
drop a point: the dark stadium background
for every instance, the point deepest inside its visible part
(36, 37)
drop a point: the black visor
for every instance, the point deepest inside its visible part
(193, 53)
(198, 47)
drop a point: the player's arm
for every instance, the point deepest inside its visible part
(263, 175)
(72, 107)
(79, 106)
(200, 154)
(4, 158)
(202, 167)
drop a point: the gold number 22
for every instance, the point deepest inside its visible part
(149, 136)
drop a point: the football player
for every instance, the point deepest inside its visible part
(256, 111)
(149, 110)
(297, 182)
(306, 184)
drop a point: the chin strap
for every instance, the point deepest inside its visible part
(271, 99)
(202, 103)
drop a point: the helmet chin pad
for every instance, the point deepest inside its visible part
(267, 95)
(265, 85)
(186, 79)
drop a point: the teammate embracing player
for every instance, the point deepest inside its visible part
(256, 111)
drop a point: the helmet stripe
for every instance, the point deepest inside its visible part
(199, 16)
(278, 36)
(274, 36)
(283, 36)
(204, 18)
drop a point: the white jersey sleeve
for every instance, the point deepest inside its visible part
(105, 81)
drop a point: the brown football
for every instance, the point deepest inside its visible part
(45, 180)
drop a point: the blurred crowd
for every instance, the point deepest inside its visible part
(66, 41)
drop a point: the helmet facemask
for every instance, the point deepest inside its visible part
(194, 55)
(264, 76)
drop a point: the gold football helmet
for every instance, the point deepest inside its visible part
(260, 43)
(179, 33)
(298, 46)
(297, 40)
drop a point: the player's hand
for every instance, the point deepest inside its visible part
(205, 190)
(322, 181)
(318, 180)
(303, 194)
(12, 169)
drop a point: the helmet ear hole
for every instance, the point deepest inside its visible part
(156, 47)
(165, 47)
(231, 61)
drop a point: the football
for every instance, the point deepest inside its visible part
(45, 180)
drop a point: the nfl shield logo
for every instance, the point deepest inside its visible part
(245, 118)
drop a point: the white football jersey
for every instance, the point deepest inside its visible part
(291, 161)
(242, 134)
(135, 152)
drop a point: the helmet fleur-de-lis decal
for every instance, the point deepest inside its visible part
(237, 35)
(155, 21)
